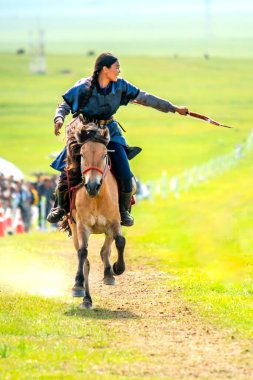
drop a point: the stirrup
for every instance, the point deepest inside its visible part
(56, 214)
(126, 219)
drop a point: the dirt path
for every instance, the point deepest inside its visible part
(151, 317)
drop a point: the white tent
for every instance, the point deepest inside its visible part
(7, 168)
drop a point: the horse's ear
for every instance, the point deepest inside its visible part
(106, 135)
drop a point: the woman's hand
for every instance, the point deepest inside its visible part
(57, 126)
(182, 110)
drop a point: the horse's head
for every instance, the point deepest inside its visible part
(94, 156)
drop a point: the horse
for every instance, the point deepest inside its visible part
(95, 207)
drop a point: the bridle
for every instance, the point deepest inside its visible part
(106, 169)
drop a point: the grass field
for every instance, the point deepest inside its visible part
(201, 242)
(220, 88)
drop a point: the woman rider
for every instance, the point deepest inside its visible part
(98, 98)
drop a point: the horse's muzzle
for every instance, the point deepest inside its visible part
(92, 187)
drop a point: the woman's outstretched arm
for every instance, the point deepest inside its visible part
(146, 99)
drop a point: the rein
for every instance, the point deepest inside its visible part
(72, 196)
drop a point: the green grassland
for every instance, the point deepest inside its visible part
(218, 87)
(202, 239)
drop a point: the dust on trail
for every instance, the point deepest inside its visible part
(35, 272)
(145, 314)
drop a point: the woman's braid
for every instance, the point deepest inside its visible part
(88, 94)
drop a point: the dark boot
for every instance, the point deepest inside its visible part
(60, 208)
(124, 207)
(62, 202)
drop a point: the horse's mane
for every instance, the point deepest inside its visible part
(91, 132)
(78, 133)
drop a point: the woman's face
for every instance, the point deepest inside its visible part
(112, 72)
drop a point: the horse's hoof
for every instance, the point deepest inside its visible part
(109, 280)
(78, 291)
(86, 305)
(118, 269)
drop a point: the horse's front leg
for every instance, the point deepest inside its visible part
(78, 289)
(120, 242)
(87, 301)
(105, 256)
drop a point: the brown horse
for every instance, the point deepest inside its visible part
(95, 210)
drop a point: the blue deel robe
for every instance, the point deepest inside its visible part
(102, 105)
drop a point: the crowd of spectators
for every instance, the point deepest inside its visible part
(34, 199)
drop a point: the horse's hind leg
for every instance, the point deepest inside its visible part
(105, 256)
(87, 301)
(119, 265)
